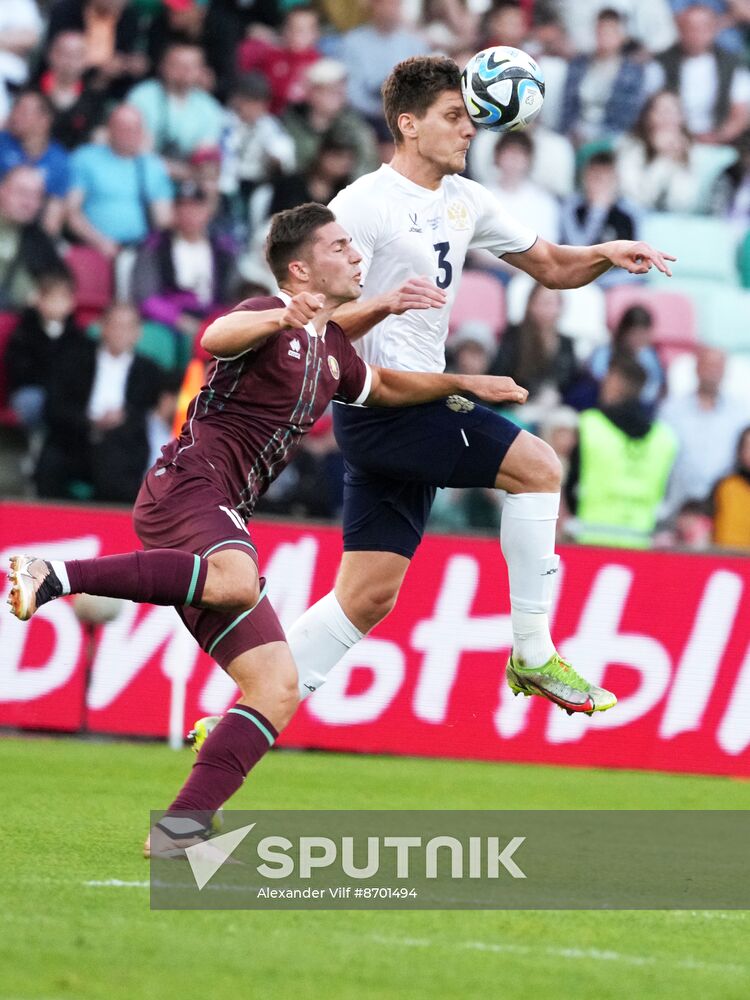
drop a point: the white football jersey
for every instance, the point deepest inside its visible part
(404, 230)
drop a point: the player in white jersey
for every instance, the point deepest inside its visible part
(413, 222)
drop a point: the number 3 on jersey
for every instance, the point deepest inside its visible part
(446, 276)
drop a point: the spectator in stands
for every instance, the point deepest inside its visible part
(450, 26)
(118, 192)
(111, 31)
(325, 111)
(537, 355)
(513, 185)
(619, 471)
(26, 251)
(370, 52)
(46, 331)
(212, 26)
(183, 274)
(633, 336)
(713, 85)
(731, 501)
(285, 65)
(707, 423)
(178, 113)
(604, 91)
(255, 147)
(657, 163)
(732, 193)
(96, 416)
(26, 141)
(331, 171)
(552, 165)
(504, 23)
(648, 23)
(20, 31)
(77, 106)
(600, 213)
(733, 16)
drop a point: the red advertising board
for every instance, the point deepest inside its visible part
(670, 634)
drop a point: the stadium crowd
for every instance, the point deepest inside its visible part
(144, 146)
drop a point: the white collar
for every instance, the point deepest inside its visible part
(286, 298)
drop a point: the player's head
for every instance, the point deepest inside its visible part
(425, 111)
(308, 251)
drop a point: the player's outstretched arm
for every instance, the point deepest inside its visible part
(392, 388)
(558, 266)
(237, 332)
(356, 318)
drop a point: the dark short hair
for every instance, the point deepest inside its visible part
(635, 316)
(54, 278)
(609, 14)
(414, 85)
(603, 158)
(630, 370)
(290, 231)
(520, 139)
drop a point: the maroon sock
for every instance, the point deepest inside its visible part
(159, 576)
(234, 747)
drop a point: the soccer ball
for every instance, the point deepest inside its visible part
(502, 88)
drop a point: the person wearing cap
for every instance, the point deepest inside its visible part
(255, 147)
(325, 110)
(210, 25)
(184, 274)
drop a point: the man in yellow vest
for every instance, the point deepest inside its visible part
(623, 463)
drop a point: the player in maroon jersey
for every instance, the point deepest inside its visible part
(279, 361)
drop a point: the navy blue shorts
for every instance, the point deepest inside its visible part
(395, 459)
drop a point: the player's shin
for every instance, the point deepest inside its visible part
(318, 640)
(527, 537)
(233, 748)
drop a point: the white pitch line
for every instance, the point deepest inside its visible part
(116, 883)
(577, 954)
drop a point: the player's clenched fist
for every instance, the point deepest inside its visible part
(496, 389)
(301, 310)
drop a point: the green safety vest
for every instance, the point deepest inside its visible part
(622, 481)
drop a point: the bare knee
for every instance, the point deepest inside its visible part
(368, 605)
(531, 466)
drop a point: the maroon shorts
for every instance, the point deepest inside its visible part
(175, 510)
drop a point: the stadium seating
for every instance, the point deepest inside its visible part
(94, 282)
(480, 297)
(8, 322)
(583, 314)
(675, 330)
(723, 313)
(704, 246)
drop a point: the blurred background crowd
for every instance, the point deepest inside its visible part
(144, 145)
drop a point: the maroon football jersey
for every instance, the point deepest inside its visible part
(247, 421)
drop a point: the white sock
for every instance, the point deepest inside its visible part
(527, 537)
(318, 640)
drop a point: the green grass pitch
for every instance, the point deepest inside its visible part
(75, 812)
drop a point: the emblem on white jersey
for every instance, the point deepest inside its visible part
(414, 227)
(458, 215)
(294, 349)
(333, 365)
(459, 405)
